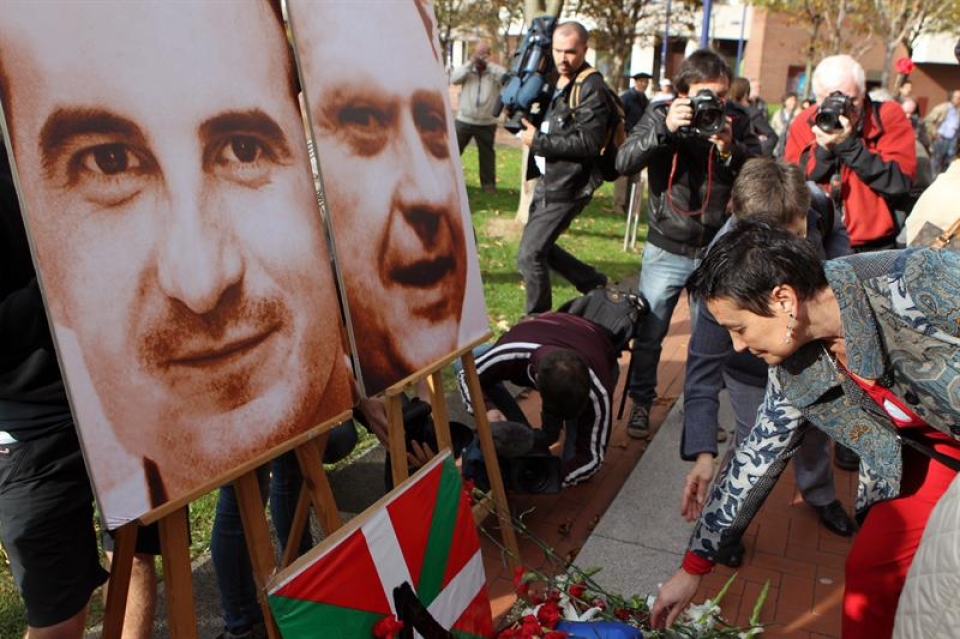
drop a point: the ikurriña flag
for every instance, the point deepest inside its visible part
(423, 534)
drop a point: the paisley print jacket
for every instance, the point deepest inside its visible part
(901, 318)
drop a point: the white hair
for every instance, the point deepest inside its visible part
(836, 69)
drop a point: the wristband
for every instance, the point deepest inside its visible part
(695, 564)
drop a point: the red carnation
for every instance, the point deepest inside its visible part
(905, 66)
(387, 627)
(468, 486)
(549, 614)
(555, 634)
(621, 613)
(529, 627)
(576, 590)
(517, 576)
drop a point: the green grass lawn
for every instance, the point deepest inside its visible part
(596, 237)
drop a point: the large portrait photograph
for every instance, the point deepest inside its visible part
(162, 166)
(378, 106)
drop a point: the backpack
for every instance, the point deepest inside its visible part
(617, 311)
(616, 124)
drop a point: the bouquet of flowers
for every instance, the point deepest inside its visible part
(572, 605)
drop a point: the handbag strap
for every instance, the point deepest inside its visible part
(906, 436)
(944, 238)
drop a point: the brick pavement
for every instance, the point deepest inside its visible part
(785, 544)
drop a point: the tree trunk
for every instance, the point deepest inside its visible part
(889, 48)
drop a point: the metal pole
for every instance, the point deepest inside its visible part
(743, 26)
(665, 45)
(705, 27)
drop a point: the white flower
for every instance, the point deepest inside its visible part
(703, 616)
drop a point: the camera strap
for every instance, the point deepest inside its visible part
(706, 199)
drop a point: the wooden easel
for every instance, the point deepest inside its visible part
(174, 539)
(309, 448)
(441, 420)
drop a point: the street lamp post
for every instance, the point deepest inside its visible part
(705, 26)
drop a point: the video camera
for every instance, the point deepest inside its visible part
(525, 466)
(829, 112)
(535, 473)
(708, 115)
(526, 86)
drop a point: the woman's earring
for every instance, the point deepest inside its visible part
(793, 322)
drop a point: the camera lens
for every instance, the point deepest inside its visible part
(533, 476)
(828, 121)
(709, 121)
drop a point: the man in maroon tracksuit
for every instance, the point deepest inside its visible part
(573, 364)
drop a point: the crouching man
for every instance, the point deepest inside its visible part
(573, 364)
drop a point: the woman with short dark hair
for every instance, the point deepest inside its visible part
(866, 348)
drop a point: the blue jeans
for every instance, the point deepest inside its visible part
(663, 275)
(941, 153)
(228, 547)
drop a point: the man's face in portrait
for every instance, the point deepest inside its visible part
(379, 114)
(171, 205)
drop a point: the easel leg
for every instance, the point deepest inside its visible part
(300, 517)
(259, 545)
(490, 459)
(311, 466)
(125, 541)
(178, 580)
(441, 417)
(397, 436)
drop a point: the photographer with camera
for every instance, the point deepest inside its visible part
(693, 148)
(862, 152)
(564, 151)
(572, 362)
(480, 80)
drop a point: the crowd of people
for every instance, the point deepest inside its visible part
(742, 214)
(777, 226)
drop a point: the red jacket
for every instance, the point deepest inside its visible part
(876, 166)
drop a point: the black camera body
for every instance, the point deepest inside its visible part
(829, 112)
(709, 115)
(535, 473)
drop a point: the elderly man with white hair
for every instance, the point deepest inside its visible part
(861, 151)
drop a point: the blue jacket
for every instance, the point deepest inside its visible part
(901, 318)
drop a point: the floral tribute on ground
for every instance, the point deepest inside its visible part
(570, 604)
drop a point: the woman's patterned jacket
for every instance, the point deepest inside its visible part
(901, 318)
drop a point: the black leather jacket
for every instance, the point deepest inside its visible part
(572, 145)
(685, 222)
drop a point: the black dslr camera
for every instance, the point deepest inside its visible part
(708, 115)
(829, 112)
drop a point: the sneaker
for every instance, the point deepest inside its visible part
(638, 423)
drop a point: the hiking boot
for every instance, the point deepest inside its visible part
(638, 423)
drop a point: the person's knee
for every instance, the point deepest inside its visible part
(528, 257)
(71, 628)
